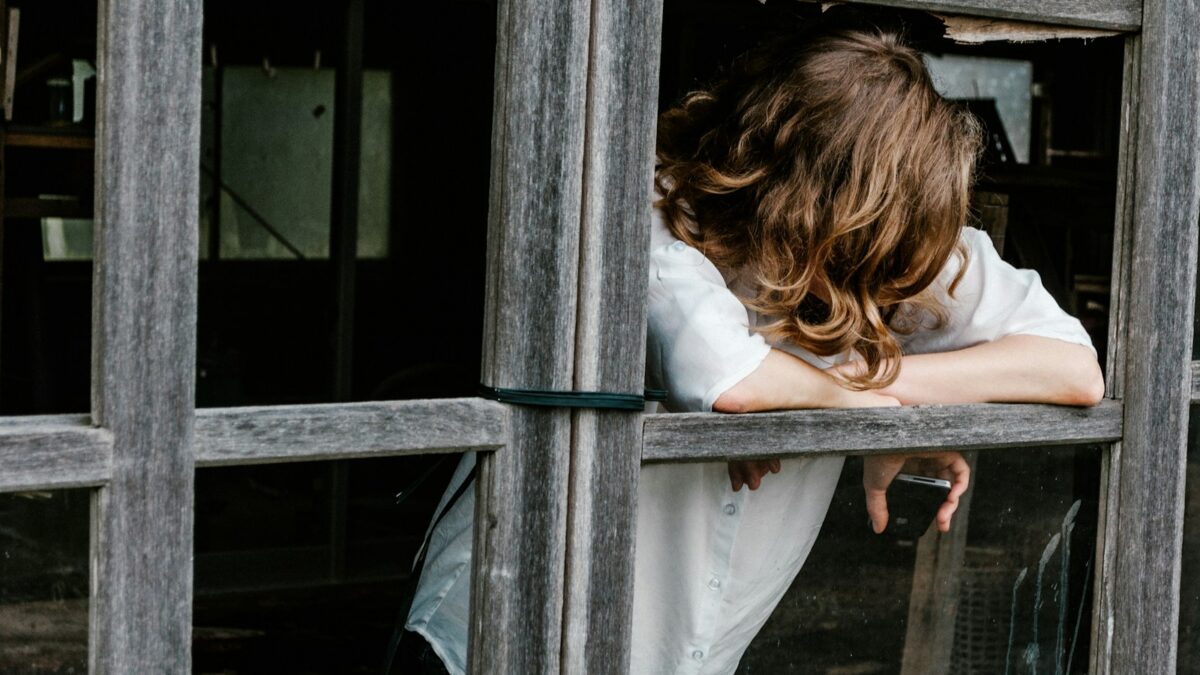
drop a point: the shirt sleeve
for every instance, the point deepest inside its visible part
(993, 300)
(699, 342)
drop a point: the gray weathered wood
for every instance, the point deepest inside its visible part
(1158, 345)
(1114, 377)
(52, 452)
(533, 256)
(1111, 14)
(143, 332)
(707, 437)
(294, 433)
(610, 337)
(1195, 382)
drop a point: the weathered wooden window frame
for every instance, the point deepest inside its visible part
(576, 88)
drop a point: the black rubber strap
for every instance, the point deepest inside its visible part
(601, 400)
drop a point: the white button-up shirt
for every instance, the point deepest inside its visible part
(711, 563)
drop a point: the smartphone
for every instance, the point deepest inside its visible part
(913, 502)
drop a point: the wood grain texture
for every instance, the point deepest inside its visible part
(1107, 540)
(1121, 15)
(274, 434)
(978, 30)
(52, 452)
(49, 141)
(709, 437)
(529, 328)
(1195, 381)
(610, 334)
(143, 333)
(1158, 347)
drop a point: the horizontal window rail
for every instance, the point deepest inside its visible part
(53, 452)
(1122, 15)
(65, 451)
(692, 437)
(301, 433)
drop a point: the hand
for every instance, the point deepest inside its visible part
(879, 470)
(750, 472)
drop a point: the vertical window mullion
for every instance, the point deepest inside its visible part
(143, 336)
(529, 331)
(1114, 377)
(610, 337)
(1157, 343)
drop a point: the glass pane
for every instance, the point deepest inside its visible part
(44, 582)
(261, 526)
(46, 214)
(277, 590)
(270, 331)
(299, 568)
(277, 158)
(1024, 587)
(1006, 82)
(1189, 583)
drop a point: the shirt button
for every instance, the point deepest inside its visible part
(730, 509)
(697, 655)
(714, 583)
(678, 246)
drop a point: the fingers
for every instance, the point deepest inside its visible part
(878, 473)
(736, 479)
(880, 470)
(751, 472)
(877, 509)
(756, 470)
(954, 468)
(946, 512)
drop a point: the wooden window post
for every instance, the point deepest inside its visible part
(529, 331)
(1158, 342)
(610, 335)
(143, 333)
(576, 93)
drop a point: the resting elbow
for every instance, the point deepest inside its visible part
(734, 400)
(1087, 390)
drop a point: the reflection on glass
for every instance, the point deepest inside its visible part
(276, 161)
(1020, 600)
(66, 238)
(44, 582)
(1006, 81)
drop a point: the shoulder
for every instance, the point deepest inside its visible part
(969, 268)
(670, 257)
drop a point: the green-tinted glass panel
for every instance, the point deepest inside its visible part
(276, 162)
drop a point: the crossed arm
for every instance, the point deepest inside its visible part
(1016, 368)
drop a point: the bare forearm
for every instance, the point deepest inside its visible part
(1017, 368)
(784, 382)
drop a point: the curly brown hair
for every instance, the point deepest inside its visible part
(834, 174)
